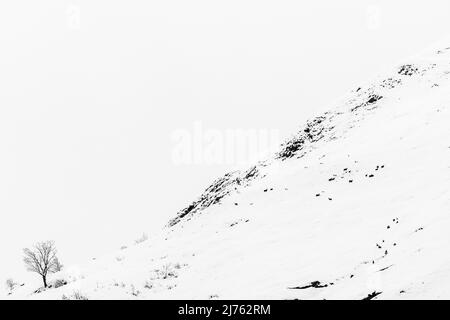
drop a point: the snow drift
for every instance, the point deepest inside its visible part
(355, 205)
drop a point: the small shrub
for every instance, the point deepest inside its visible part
(58, 265)
(148, 285)
(166, 272)
(134, 292)
(143, 238)
(10, 284)
(59, 283)
(76, 295)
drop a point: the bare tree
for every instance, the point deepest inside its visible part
(41, 259)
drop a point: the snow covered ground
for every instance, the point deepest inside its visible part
(356, 205)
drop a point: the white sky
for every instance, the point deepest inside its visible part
(88, 102)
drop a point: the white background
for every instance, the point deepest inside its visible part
(91, 92)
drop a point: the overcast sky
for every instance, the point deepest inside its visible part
(93, 94)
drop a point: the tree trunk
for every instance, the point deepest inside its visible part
(44, 278)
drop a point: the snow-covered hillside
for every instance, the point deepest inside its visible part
(355, 205)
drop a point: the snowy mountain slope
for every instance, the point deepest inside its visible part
(356, 205)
